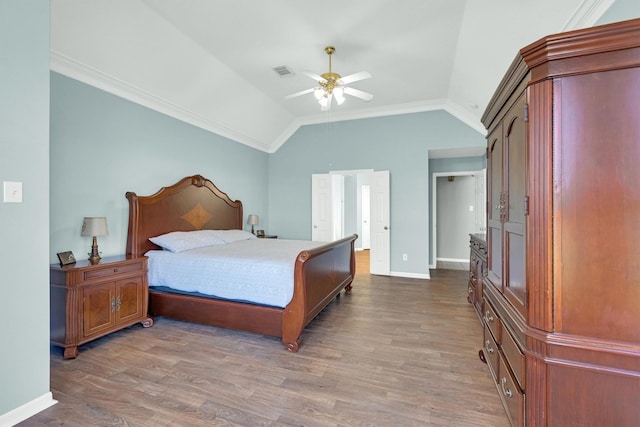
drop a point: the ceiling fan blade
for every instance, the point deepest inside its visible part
(314, 76)
(302, 92)
(355, 77)
(358, 93)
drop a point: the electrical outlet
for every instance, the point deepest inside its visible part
(405, 257)
(12, 192)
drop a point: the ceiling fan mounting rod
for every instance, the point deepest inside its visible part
(330, 77)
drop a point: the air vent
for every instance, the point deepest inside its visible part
(283, 71)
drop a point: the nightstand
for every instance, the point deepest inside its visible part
(89, 301)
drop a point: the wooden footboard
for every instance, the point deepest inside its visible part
(320, 274)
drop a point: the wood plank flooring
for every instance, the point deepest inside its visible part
(394, 352)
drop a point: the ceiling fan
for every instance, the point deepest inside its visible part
(333, 86)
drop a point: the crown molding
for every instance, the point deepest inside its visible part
(79, 71)
(76, 70)
(464, 115)
(587, 14)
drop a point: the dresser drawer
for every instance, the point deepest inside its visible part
(514, 356)
(490, 350)
(510, 395)
(109, 271)
(492, 320)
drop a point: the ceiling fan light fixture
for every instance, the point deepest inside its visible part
(318, 93)
(325, 100)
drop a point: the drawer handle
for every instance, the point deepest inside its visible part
(488, 317)
(489, 348)
(506, 392)
(115, 270)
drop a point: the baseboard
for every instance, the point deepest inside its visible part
(452, 259)
(410, 275)
(27, 410)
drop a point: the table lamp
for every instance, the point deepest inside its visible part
(94, 226)
(252, 220)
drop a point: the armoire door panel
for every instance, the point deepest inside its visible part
(494, 274)
(515, 286)
(515, 140)
(495, 207)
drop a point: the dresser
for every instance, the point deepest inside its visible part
(88, 301)
(561, 295)
(477, 270)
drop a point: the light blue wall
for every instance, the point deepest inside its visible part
(24, 227)
(103, 146)
(399, 144)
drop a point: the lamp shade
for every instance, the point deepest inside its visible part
(252, 219)
(94, 226)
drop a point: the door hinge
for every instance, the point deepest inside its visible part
(526, 112)
(526, 205)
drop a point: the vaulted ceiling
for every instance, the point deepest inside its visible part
(210, 62)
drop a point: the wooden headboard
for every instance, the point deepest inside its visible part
(193, 203)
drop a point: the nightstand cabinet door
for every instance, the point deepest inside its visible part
(129, 299)
(98, 309)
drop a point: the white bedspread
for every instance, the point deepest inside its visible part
(259, 270)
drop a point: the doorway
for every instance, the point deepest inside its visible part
(458, 209)
(359, 201)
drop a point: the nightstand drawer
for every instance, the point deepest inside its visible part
(109, 271)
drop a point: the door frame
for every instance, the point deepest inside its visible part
(434, 209)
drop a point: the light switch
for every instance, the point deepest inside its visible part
(470, 208)
(12, 192)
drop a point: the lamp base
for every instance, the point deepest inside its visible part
(94, 256)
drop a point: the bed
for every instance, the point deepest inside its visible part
(195, 203)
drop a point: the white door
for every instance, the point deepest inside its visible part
(366, 216)
(321, 208)
(380, 254)
(337, 203)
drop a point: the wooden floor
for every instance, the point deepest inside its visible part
(394, 352)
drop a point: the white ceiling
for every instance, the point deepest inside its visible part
(209, 62)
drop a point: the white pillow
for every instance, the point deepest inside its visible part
(230, 236)
(179, 241)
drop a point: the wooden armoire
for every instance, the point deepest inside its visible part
(561, 293)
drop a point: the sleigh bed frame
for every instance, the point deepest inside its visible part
(195, 203)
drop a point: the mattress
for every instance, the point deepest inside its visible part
(258, 271)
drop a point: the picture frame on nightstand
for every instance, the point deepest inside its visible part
(66, 258)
